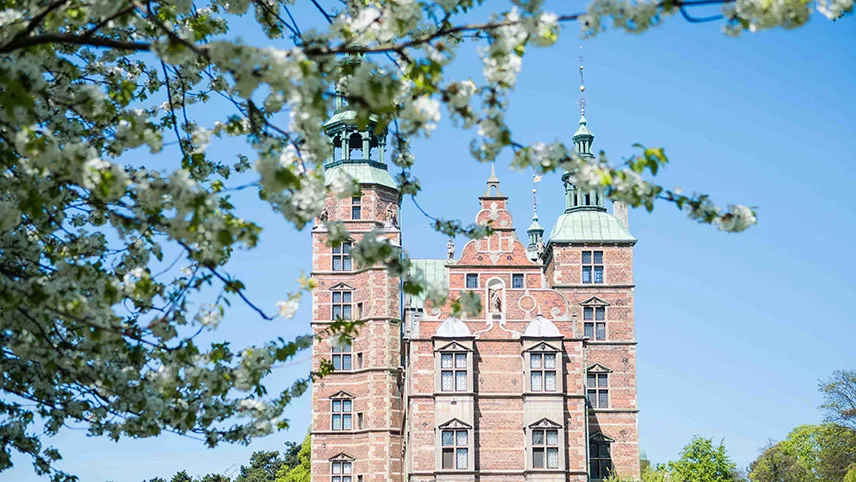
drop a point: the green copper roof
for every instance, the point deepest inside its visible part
(435, 273)
(583, 130)
(364, 173)
(346, 116)
(589, 226)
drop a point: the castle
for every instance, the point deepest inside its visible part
(541, 386)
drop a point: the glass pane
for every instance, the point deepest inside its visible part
(346, 264)
(346, 422)
(356, 200)
(346, 467)
(346, 296)
(460, 360)
(337, 297)
(337, 467)
(598, 274)
(550, 360)
(346, 346)
(461, 461)
(446, 381)
(601, 380)
(595, 470)
(337, 263)
(337, 249)
(346, 405)
(598, 257)
(604, 451)
(337, 422)
(446, 360)
(535, 361)
(448, 437)
(472, 281)
(461, 438)
(346, 362)
(538, 458)
(590, 380)
(536, 381)
(337, 405)
(461, 381)
(337, 362)
(587, 274)
(589, 330)
(550, 381)
(603, 399)
(537, 437)
(337, 312)
(552, 458)
(346, 478)
(600, 313)
(588, 311)
(517, 281)
(355, 212)
(552, 437)
(592, 398)
(336, 478)
(586, 257)
(346, 312)
(448, 459)
(601, 331)
(346, 247)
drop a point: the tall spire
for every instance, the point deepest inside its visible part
(583, 137)
(492, 183)
(582, 100)
(535, 231)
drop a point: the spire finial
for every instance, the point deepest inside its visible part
(492, 183)
(582, 101)
(535, 180)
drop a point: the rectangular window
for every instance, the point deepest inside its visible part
(595, 325)
(453, 372)
(517, 281)
(342, 356)
(455, 449)
(342, 305)
(472, 281)
(597, 388)
(356, 207)
(600, 462)
(542, 372)
(545, 449)
(342, 257)
(341, 472)
(342, 414)
(592, 267)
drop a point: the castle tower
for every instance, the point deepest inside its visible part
(589, 259)
(356, 410)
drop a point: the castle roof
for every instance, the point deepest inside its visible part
(364, 172)
(589, 226)
(435, 273)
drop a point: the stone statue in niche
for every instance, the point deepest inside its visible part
(391, 219)
(450, 249)
(539, 249)
(323, 215)
(496, 300)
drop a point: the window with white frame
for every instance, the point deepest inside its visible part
(455, 449)
(341, 305)
(453, 371)
(517, 281)
(597, 389)
(342, 257)
(542, 372)
(592, 267)
(545, 448)
(356, 207)
(594, 322)
(341, 471)
(342, 415)
(342, 355)
(472, 280)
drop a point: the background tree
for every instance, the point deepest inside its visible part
(301, 472)
(702, 461)
(111, 269)
(263, 467)
(821, 453)
(214, 478)
(839, 398)
(779, 464)
(181, 477)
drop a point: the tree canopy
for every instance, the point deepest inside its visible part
(702, 461)
(839, 398)
(107, 264)
(810, 453)
(301, 471)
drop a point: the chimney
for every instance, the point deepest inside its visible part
(619, 210)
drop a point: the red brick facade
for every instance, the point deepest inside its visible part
(518, 409)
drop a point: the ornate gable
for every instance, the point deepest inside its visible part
(341, 457)
(594, 301)
(545, 423)
(598, 368)
(341, 394)
(600, 437)
(455, 424)
(453, 346)
(544, 347)
(341, 286)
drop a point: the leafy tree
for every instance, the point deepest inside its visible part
(300, 472)
(181, 477)
(839, 398)
(778, 463)
(107, 263)
(263, 467)
(702, 461)
(290, 458)
(851, 475)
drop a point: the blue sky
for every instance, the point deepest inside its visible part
(734, 330)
